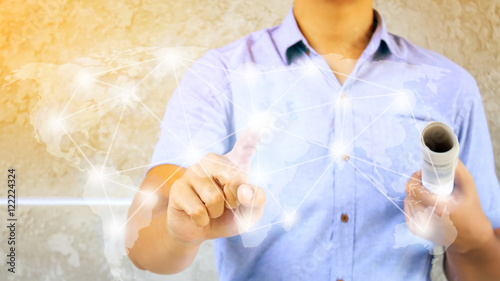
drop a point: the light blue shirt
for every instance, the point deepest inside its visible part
(331, 150)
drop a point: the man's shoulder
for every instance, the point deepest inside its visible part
(417, 55)
(256, 47)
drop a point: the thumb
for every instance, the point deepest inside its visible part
(252, 200)
(464, 181)
(245, 147)
(251, 196)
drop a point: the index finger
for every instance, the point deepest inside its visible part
(245, 147)
(417, 192)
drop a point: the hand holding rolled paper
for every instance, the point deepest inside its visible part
(439, 147)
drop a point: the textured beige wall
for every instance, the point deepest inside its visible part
(69, 243)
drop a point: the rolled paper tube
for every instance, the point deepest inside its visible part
(439, 147)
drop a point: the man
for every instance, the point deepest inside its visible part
(310, 131)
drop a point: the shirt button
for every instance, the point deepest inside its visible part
(344, 218)
(345, 157)
(343, 97)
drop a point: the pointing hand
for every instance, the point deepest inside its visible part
(213, 198)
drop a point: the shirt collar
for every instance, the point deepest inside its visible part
(381, 35)
(288, 35)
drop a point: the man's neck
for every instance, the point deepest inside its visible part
(341, 27)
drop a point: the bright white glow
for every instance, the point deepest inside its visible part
(289, 220)
(259, 176)
(170, 54)
(261, 120)
(243, 224)
(251, 72)
(96, 176)
(338, 149)
(114, 231)
(193, 155)
(127, 96)
(147, 197)
(420, 220)
(84, 79)
(56, 124)
(311, 68)
(170, 60)
(401, 104)
(404, 102)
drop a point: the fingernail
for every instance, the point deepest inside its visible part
(247, 193)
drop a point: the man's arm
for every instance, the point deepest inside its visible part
(482, 263)
(457, 222)
(176, 209)
(149, 245)
(479, 259)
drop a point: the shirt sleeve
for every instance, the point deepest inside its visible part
(196, 119)
(476, 153)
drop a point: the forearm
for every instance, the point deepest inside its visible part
(157, 251)
(149, 244)
(478, 264)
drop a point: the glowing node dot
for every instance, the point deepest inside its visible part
(261, 120)
(84, 79)
(96, 175)
(148, 197)
(126, 96)
(193, 155)
(403, 102)
(114, 230)
(310, 68)
(251, 72)
(244, 224)
(259, 176)
(289, 220)
(338, 149)
(169, 54)
(56, 124)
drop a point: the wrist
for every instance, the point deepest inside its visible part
(182, 242)
(478, 263)
(481, 243)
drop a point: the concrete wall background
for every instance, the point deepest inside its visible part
(66, 243)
